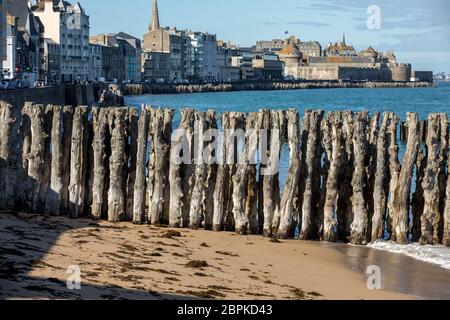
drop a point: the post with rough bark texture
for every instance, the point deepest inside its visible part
(394, 167)
(36, 162)
(401, 196)
(241, 178)
(180, 157)
(431, 217)
(141, 159)
(332, 189)
(211, 140)
(380, 193)
(117, 161)
(289, 198)
(198, 194)
(359, 226)
(100, 125)
(7, 121)
(130, 177)
(53, 202)
(77, 163)
(161, 133)
(309, 228)
(276, 126)
(345, 206)
(221, 189)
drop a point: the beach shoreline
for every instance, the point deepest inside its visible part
(126, 261)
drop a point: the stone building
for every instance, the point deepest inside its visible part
(68, 26)
(267, 66)
(51, 62)
(307, 49)
(24, 35)
(172, 41)
(243, 60)
(224, 63)
(155, 66)
(132, 50)
(112, 57)
(342, 64)
(204, 57)
(341, 49)
(95, 62)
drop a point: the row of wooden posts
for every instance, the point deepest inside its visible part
(345, 180)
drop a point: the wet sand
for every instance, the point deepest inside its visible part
(399, 272)
(125, 261)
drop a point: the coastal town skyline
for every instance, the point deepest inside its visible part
(417, 34)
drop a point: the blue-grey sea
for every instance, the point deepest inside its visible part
(422, 100)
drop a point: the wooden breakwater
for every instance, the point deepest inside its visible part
(345, 180)
(139, 89)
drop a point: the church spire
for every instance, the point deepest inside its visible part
(155, 17)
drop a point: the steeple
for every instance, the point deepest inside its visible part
(155, 17)
(343, 39)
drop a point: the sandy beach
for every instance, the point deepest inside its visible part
(126, 261)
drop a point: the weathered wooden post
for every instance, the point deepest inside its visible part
(100, 127)
(7, 121)
(221, 189)
(180, 156)
(132, 121)
(372, 167)
(394, 167)
(309, 229)
(431, 216)
(53, 201)
(345, 207)
(198, 195)
(380, 195)
(332, 190)
(275, 148)
(359, 226)
(77, 163)
(401, 196)
(36, 162)
(141, 160)
(117, 161)
(161, 133)
(211, 140)
(289, 198)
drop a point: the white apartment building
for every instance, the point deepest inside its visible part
(204, 47)
(68, 26)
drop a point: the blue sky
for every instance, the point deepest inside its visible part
(418, 30)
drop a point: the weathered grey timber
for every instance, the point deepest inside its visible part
(402, 193)
(141, 160)
(381, 182)
(432, 217)
(345, 181)
(100, 127)
(359, 226)
(287, 205)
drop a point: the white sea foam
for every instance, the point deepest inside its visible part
(438, 254)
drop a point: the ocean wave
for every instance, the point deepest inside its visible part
(437, 254)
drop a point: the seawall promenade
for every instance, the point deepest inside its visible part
(139, 89)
